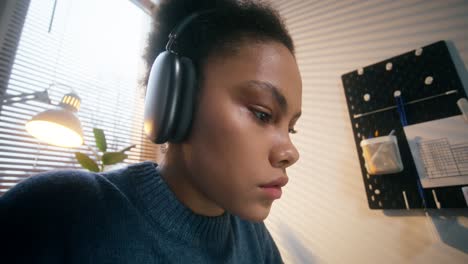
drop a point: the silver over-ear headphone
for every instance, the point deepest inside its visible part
(170, 94)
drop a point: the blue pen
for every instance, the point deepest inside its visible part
(401, 110)
(421, 193)
(404, 122)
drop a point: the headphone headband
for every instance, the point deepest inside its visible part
(182, 25)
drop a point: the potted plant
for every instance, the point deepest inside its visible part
(106, 158)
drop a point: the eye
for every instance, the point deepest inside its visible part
(262, 116)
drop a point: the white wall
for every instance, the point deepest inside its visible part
(323, 216)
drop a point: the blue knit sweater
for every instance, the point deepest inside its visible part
(125, 216)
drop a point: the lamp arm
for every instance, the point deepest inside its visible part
(42, 96)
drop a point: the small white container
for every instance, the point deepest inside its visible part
(382, 155)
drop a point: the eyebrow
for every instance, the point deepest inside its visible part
(275, 92)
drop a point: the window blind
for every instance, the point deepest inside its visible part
(93, 48)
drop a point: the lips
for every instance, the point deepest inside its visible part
(273, 189)
(279, 182)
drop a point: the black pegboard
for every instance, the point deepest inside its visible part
(408, 74)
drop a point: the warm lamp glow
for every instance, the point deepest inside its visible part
(60, 126)
(147, 127)
(54, 133)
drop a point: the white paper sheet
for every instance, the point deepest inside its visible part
(440, 151)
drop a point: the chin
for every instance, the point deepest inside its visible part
(254, 213)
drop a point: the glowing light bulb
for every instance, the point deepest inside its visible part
(54, 133)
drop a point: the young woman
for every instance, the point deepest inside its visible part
(206, 201)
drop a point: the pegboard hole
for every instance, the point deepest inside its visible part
(370, 186)
(358, 135)
(429, 80)
(380, 203)
(356, 125)
(352, 107)
(418, 52)
(360, 71)
(389, 66)
(377, 191)
(367, 176)
(367, 97)
(397, 93)
(373, 198)
(350, 98)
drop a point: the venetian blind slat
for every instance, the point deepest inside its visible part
(107, 85)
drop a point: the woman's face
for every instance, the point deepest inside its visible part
(240, 145)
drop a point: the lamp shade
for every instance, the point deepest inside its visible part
(57, 127)
(60, 127)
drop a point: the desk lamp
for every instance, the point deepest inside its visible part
(60, 126)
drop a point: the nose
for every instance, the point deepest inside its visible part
(284, 153)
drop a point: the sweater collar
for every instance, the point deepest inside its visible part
(163, 208)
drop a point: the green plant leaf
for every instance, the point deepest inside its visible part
(86, 162)
(113, 157)
(127, 148)
(100, 138)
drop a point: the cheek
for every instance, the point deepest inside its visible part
(226, 140)
(229, 158)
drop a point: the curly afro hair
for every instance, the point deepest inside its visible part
(214, 33)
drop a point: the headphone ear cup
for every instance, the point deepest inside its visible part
(162, 95)
(185, 106)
